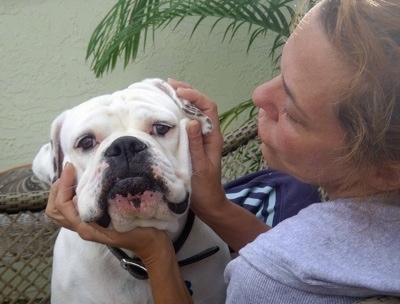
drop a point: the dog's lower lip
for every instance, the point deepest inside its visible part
(180, 207)
(104, 221)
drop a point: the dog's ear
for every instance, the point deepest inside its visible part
(42, 164)
(48, 163)
(190, 110)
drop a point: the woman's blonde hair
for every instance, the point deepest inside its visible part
(367, 35)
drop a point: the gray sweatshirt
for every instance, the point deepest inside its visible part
(331, 252)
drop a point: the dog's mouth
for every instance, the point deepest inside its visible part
(138, 197)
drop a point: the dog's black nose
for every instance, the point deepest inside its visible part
(125, 146)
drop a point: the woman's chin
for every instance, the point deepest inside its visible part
(272, 158)
(268, 155)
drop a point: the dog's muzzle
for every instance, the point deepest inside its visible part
(129, 181)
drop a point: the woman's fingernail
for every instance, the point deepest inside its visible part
(194, 127)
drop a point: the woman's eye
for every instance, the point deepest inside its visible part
(160, 129)
(288, 116)
(86, 143)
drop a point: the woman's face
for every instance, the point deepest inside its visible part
(297, 126)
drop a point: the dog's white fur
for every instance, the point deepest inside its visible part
(149, 119)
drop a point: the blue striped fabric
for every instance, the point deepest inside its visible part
(271, 195)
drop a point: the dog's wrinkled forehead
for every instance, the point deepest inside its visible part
(186, 107)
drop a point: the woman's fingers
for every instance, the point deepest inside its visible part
(178, 84)
(199, 100)
(51, 209)
(140, 240)
(60, 205)
(196, 146)
(202, 102)
(66, 189)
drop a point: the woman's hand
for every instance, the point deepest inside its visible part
(234, 224)
(207, 191)
(61, 208)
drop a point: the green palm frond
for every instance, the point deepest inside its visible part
(244, 109)
(129, 23)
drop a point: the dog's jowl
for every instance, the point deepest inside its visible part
(131, 155)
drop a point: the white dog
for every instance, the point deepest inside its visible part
(131, 155)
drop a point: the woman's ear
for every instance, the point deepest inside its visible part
(386, 178)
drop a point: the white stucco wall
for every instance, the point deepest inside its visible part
(43, 69)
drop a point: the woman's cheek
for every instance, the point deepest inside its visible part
(267, 127)
(278, 134)
(285, 144)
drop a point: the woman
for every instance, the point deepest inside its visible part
(331, 118)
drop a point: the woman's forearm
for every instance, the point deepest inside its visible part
(234, 224)
(167, 284)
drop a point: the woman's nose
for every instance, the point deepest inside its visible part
(266, 97)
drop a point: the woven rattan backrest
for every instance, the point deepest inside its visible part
(27, 240)
(241, 152)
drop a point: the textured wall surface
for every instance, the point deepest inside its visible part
(43, 69)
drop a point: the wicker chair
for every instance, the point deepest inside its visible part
(27, 236)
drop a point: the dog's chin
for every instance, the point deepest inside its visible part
(152, 212)
(121, 225)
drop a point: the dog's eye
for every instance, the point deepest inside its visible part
(87, 142)
(160, 129)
